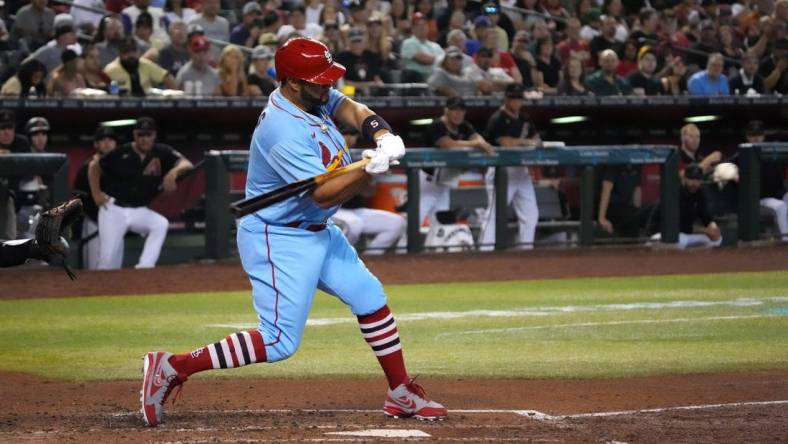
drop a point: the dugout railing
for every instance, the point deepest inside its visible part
(219, 165)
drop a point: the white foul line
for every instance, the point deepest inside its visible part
(670, 409)
(598, 324)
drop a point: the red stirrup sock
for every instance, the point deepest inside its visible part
(236, 350)
(380, 331)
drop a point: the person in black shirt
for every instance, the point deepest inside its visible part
(10, 143)
(104, 141)
(747, 77)
(642, 79)
(450, 131)
(774, 68)
(363, 65)
(773, 194)
(620, 205)
(508, 128)
(693, 207)
(132, 175)
(689, 150)
(260, 81)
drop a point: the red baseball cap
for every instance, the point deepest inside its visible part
(200, 43)
(307, 59)
(416, 17)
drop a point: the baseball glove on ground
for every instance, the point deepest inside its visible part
(50, 228)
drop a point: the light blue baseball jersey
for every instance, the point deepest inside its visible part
(286, 264)
(290, 145)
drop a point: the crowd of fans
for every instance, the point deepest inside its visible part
(455, 47)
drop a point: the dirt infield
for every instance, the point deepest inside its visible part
(728, 407)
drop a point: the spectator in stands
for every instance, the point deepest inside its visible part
(539, 30)
(178, 11)
(605, 40)
(330, 13)
(50, 56)
(419, 55)
(674, 79)
(444, 18)
(508, 128)
(425, 8)
(91, 71)
(313, 10)
(66, 77)
(693, 207)
(457, 22)
(261, 81)
(774, 197)
(592, 27)
(450, 131)
(647, 34)
(135, 75)
(501, 57)
(86, 20)
(297, 25)
(232, 78)
(548, 66)
(109, 38)
(132, 13)
(123, 182)
(643, 81)
(621, 209)
(33, 25)
(775, 68)
(605, 81)
(363, 66)
(629, 58)
(730, 49)
(249, 30)
(143, 33)
(615, 10)
(332, 38)
(574, 46)
(711, 81)
(104, 141)
(380, 43)
(488, 79)
(747, 80)
(573, 82)
(706, 45)
(689, 149)
(524, 59)
(10, 142)
(400, 19)
(198, 77)
(28, 81)
(355, 219)
(215, 26)
(448, 79)
(458, 39)
(491, 10)
(176, 54)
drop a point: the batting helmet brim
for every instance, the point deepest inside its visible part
(329, 76)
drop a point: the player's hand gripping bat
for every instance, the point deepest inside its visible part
(248, 206)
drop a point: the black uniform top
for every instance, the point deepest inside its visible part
(132, 181)
(502, 124)
(692, 206)
(439, 129)
(625, 179)
(651, 86)
(360, 68)
(82, 185)
(685, 159)
(772, 179)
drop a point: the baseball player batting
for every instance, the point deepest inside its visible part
(289, 249)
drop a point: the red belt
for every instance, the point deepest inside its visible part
(308, 227)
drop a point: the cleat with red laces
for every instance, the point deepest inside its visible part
(410, 401)
(159, 378)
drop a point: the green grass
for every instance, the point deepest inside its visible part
(105, 337)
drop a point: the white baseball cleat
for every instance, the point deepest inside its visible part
(410, 401)
(159, 378)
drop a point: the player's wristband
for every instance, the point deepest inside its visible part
(373, 124)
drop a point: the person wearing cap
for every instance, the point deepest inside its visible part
(642, 80)
(31, 194)
(711, 81)
(694, 208)
(497, 20)
(10, 143)
(215, 26)
(50, 56)
(176, 53)
(774, 197)
(363, 66)
(481, 24)
(290, 248)
(198, 77)
(418, 54)
(261, 76)
(104, 141)
(448, 78)
(509, 128)
(66, 77)
(450, 131)
(123, 182)
(488, 79)
(605, 81)
(136, 75)
(774, 68)
(130, 14)
(747, 80)
(248, 31)
(33, 25)
(37, 130)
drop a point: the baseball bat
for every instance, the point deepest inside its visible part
(248, 206)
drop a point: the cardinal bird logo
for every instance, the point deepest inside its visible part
(325, 153)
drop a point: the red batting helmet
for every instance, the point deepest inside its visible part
(307, 59)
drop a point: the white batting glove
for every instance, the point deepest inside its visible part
(392, 146)
(378, 162)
